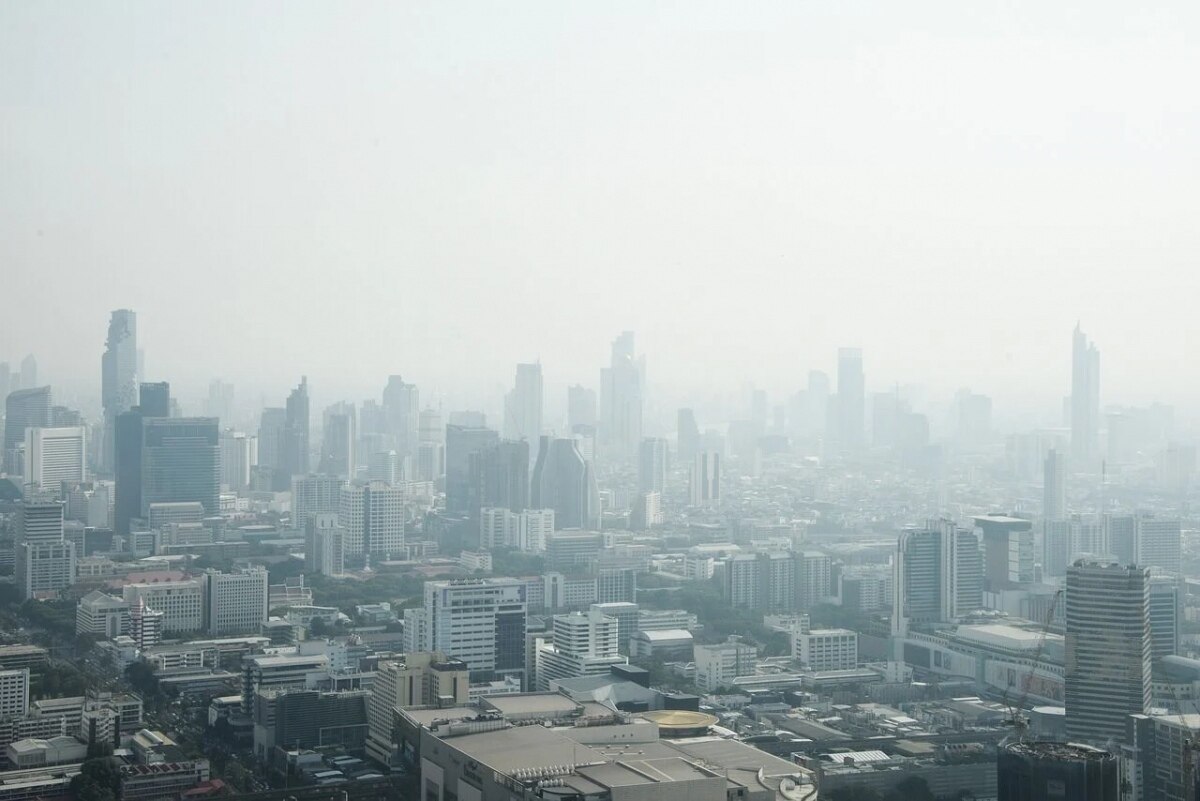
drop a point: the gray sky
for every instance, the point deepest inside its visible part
(443, 189)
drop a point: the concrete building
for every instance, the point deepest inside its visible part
(480, 622)
(939, 575)
(14, 692)
(324, 545)
(826, 649)
(181, 461)
(1048, 771)
(102, 615)
(565, 482)
(718, 665)
(621, 399)
(1108, 649)
(1008, 552)
(663, 644)
(523, 407)
(54, 457)
(423, 679)
(527, 531)
(236, 603)
(23, 409)
(704, 481)
(318, 494)
(372, 515)
(582, 645)
(239, 455)
(181, 602)
(652, 465)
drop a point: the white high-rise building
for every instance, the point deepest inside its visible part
(324, 546)
(315, 495)
(54, 456)
(1159, 543)
(718, 665)
(584, 644)
(1085, 400)
(481, 622)
(104, 615)
(704, 485)
(526, 531)
(236, 602)
(239, 453)
(118, 377)
(372, 516)
(1108, 649)
(826, 649)
(45, 561)
(181, 602)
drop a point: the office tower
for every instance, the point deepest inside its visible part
(622, 386)
(523, 406)
(340, 437)
(1159, 543)
(1054, 486)
(938, 575)
(652, 465)
(500, 476)
(271, 426)
(423, 679)
(239, 454)
(1108, 649)
(480, 622)
(14, 693)
(583, 644)
(563, 481)
(294, 456)
(704, 481)
(324, 545)
(118, 378)
(1165, 611)
(851, 404)
(181, 602)
(153, 401)
(236, 603)
(101, 614)
(431, 446)
(1008, 553)
(315, 495)
(385, 466)
(461, 442)
(25, 408)
(54, 456)
(687, 435)
(1120, 532)
(45, 561)
(29, 372)
(1052, 771)
(372, 516)
(219, 403)
(181, 461)
(1085, 399)
(616, 585)
(401, 409)
(581, 407)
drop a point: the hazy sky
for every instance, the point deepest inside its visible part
(443, 189)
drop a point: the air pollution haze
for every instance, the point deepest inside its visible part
(441, 190)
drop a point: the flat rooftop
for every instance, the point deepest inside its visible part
(532, 704)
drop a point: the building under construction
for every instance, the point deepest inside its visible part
(1048, 771)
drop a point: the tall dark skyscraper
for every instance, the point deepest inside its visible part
(500, 476)
(181, 461)
(851, 400)
(339, 441)
(154, 401)
(1085, 400)
(295, 432)
(461, 442)
(118, 378)
(563, 481)
(621, 396)
(1049, 771)
(581, 406)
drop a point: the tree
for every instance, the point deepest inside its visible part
(854, 794)
(318, 627)
(98, 780)
(911, 788)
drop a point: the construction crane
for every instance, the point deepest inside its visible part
(1015, 718)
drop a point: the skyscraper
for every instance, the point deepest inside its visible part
(563, 481)
(401, 409)
(652, 465)
(339, 440)
(938, 575)
(45, 561)
(431, 446)
(461, 442)
(154, 400)
(523, 407)
(687, 435)
(181, 461)
(118, 378)
(324, 545)
(295, 431)
(500, 476)
(1108, 649)
(314, 495)
(236, 603)
(54, 456)
(271, 426)
(29, 372)
(1085, 400)
(584, 644)
(851, 399)
(479, 621)
(581, 407)
(621, 397)
(704, 482)
(1054, 487)
(25, 408)
(239, 453)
